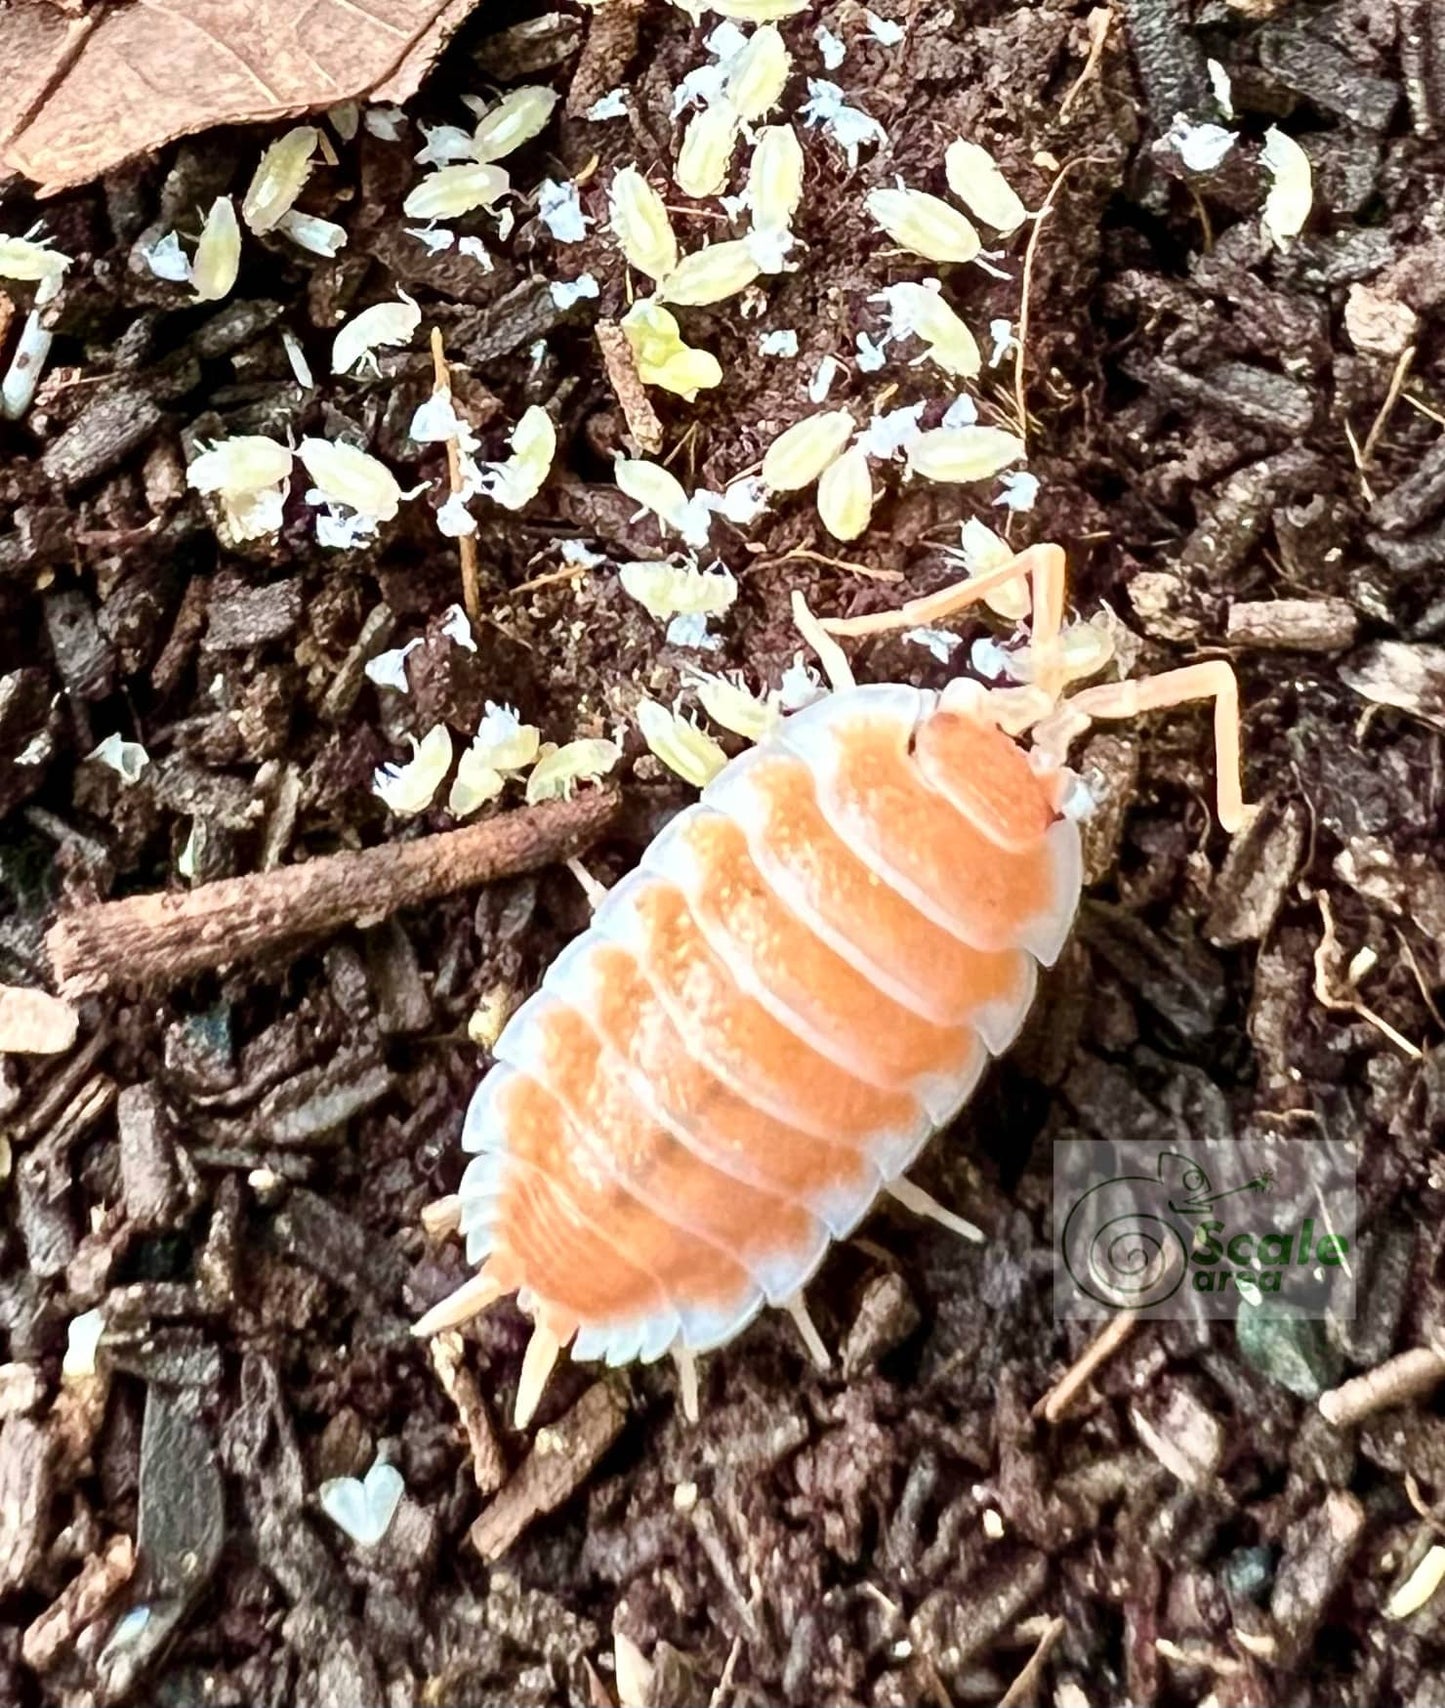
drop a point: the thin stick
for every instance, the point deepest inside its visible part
(158, 940)
(1387, 408)
(1424, 408)
(1421, 983)
(489, 1463)
(1026, 287)
(552, 578)
(621, 368)
(1100, 1350)
(1350, 1003)
(850, 564)
(466, 543)
(1408, 1376)
(725, 1683)
(1098, 21)
(1025, 1687)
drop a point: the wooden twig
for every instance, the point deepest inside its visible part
(1021, 337)
(853, 567)
(157, 940)
(1387, 408)
(1098, 21)
(561, 1460)
(1408, 1376)
(1025, 1688)
(1055, 1404)
(621, 367)
(489, 1464)
(466, 543)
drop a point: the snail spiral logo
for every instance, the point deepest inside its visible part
(1148, 1229)
(1121, 1254)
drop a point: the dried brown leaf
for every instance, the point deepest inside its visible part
(82, 96)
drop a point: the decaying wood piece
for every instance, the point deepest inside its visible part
(157, 940)
(82, 1599)
(1408, 1376)
(561, 1460)
(1293, 625)
(606, 54)
(621, 366)
(489, 1464)
(32, 1022)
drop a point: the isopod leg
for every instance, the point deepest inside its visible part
(819, 636)
(538, 1362)
(808, 1329)
(593, 888)
(442, 1217)
(1042, 565)
(925, 1204)
(468, 1301)
(1213, 680)
(1047, 568)
(687, 1382)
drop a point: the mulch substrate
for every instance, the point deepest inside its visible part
(1241, 446)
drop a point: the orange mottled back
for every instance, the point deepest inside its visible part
(767, 1021)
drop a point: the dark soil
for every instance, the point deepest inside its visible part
(234, 1169)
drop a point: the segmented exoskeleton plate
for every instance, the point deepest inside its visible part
(766, 1022)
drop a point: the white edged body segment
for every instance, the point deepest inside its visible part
(766, 1022)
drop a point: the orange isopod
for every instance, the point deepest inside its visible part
(800, 984)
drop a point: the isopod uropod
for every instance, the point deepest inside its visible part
(800, 984)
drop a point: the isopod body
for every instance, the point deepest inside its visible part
(766, 1022)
